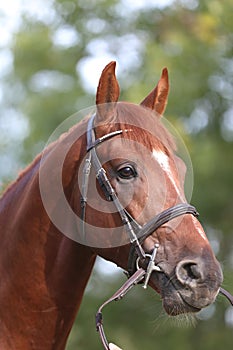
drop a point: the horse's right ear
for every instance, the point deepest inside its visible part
(157, 98)
(107, 93)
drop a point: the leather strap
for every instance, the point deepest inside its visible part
(153, 225)
(128, 221)
(164, 217)
(227, 295)
(137, 277)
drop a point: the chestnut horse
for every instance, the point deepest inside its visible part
(46, 259)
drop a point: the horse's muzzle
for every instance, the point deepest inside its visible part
(192, 286)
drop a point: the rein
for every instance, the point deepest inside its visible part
(136, 233)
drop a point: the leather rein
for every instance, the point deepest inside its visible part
(136, 233)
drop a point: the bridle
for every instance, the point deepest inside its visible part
(136, 233)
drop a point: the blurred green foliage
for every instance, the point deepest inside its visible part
(194, 39)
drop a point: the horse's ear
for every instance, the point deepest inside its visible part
(107, 93)
(157, 98)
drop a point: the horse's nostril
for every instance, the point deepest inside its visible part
(192, 270)
(188, 271)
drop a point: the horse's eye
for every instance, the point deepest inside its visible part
(127, 172)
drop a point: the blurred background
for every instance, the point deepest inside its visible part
(51, 55)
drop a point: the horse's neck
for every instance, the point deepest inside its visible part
(43, 274)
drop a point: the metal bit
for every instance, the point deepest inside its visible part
(151, 266)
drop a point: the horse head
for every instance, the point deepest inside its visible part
(147, 177)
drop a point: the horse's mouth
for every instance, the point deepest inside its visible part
(175, 301)
(178, 306)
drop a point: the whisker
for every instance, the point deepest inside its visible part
(183, 320)
(159, 322)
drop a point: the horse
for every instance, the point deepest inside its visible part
(123, 188)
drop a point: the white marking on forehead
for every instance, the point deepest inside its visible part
(163, 161)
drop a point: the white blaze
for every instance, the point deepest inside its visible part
(199, 228)
(163, 161)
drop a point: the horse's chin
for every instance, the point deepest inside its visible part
(174, 303)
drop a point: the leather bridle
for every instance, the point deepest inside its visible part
(136, 233)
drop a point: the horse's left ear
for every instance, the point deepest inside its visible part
(157, 98)
(108, 92)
